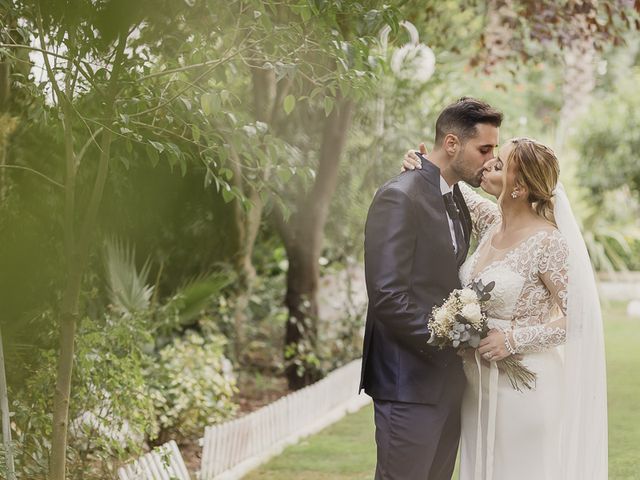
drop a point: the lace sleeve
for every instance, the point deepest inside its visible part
(552, 271)
(484, 212)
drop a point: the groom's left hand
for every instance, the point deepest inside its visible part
(492, 347)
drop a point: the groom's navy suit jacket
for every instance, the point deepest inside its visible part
(410, 267)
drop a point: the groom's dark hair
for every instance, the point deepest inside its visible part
(461, 118)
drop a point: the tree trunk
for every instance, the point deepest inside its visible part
(6, 420)
(78, 260)
(301, 329)
(498, 33)
(268, 94)
(62, 392)
(579, 79)
(77, 264)
(303, 238)
(247, 224)
(77, 249)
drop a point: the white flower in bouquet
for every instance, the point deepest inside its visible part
(468, 296)
(441, 315)
(473, 314)
(443, 319)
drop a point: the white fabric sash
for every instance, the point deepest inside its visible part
(494, 374)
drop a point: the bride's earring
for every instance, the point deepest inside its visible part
(514, 194)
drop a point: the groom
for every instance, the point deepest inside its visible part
(416, 237)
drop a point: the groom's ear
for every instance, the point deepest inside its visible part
(451, 144)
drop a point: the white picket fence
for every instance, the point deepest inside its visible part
(232, 449)
(162, 463)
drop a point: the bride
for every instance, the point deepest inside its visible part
(545, 309)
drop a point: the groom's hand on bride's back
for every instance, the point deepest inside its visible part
(411, 160)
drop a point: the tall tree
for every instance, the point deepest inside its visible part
(119, 86)
(329, 80)
(77, 238)
(83, 50)
(574, 32)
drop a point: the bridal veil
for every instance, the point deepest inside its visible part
(584, 435)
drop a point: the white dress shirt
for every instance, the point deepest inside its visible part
(445, 188)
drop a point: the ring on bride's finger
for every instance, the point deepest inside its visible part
(488, 355)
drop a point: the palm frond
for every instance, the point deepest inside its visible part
(195, 295)
(128, 286)
(609, 240)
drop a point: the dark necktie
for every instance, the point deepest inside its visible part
(454, 215)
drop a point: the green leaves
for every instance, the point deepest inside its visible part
(157, 145)
(170, 151)
(210, 103)
(226, 173)
(130, 293)
(186, 103)
(227, 193)
(192, 383)
(221, 179)
(289, 104)
(153, 155)
(285, 174)
(305, 9)
(195, 133)
(328, 105)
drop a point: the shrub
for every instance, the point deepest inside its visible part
(192, 384)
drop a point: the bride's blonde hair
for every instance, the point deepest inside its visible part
(537, 169)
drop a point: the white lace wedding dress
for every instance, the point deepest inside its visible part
(519, 434)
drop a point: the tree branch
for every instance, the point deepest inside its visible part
(84, 148)
(20, 167)
(101, 176)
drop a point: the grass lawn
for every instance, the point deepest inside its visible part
(622, 336)
(346, 450)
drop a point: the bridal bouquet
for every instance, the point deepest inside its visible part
(462, 322)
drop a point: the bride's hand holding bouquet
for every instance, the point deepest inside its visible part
(461, 322)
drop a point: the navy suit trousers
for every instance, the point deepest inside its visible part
(417, 441)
